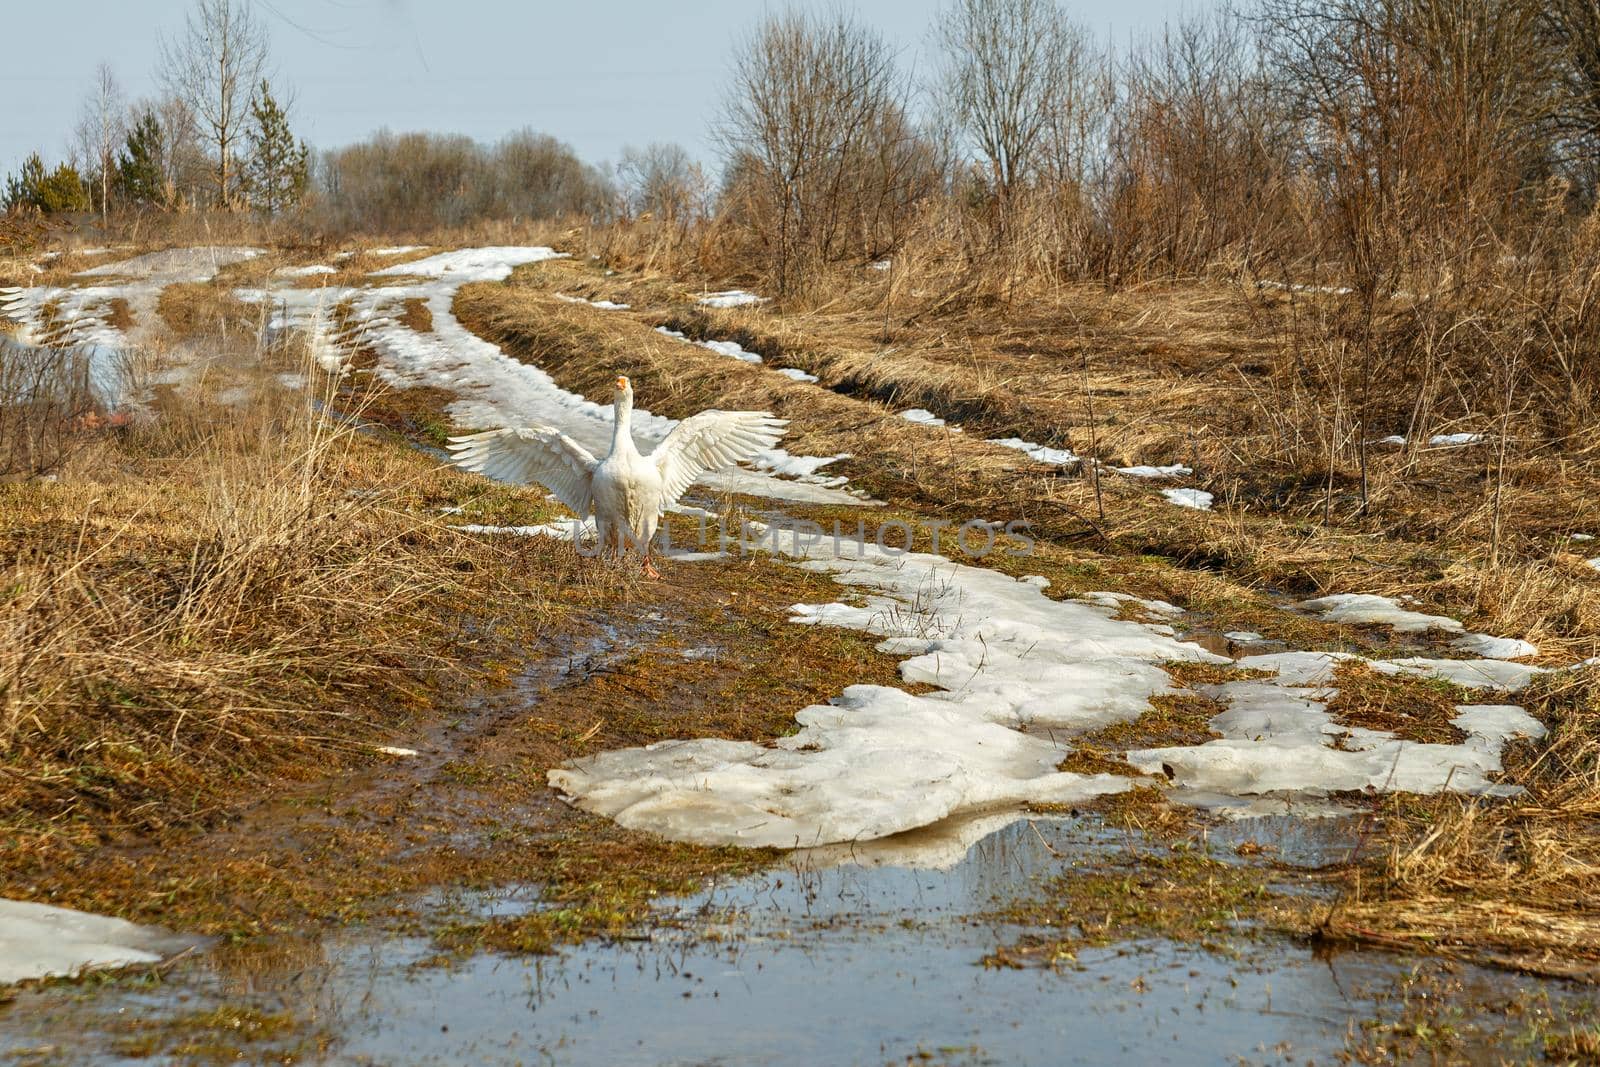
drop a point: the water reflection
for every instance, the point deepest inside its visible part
(821, 960)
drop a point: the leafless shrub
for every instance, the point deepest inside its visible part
(1019, 83)
(1199, 169)
(823, 161)
(414, 182)
(45, 399)
(663, 181)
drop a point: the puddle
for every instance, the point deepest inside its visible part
(809, 962)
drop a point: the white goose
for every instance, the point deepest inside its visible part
(627, 492)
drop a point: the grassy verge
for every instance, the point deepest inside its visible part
(1508, 883)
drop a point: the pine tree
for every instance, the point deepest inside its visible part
(278, 168)
(59, 190)
(138, 176)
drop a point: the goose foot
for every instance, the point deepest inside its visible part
(650, 569)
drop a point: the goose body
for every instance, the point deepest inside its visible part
(627, 491)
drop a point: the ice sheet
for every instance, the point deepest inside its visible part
(878, 761)
(43, 941)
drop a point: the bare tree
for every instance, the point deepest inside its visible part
(213, 68)
(100, 131)
(184, 167)
(1201, 153)
(661, 179)
(808, 97)
(1013, 73)
(1574, 28)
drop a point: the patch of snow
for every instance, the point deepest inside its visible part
(1242, 636)
(174, 265)
(392, 750)
(695, 557)
(1116, 601)
(1278, 739)
(305, 272)
(1386, 611)
(1060, 457)
(603, 305)
(924, 417)
(732, 349)
(780, 462)
(797, 374)
(1298, 287)
(730, 298)
(108, 368)
(1173, 471)
(1495, 647)
(1595, 563)
(1582, 537)
(1298, 668)
(397, 250)
(1454, 440)
(1004, 658)
(877, 760)
(1198, 499)
(493, 263)
(43, 941)
(882, 264)
(1471, 673)
(721, 348)
(1392, 439)
(1367, 608)
(547, 529)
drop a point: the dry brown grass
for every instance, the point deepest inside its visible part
(1158, 365)
(1513, 883)
(205, 599)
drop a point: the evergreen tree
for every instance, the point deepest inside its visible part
(138, 177)
(277, 170)
(59, 190)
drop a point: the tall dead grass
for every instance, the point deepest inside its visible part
(45, 396)
(203, 599)
(1512, 883)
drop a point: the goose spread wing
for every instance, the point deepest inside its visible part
(711, 441)
(532, 454)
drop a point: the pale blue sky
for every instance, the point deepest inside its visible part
(597, 75)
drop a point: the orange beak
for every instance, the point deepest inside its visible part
(622, 383)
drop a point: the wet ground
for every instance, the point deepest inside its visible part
(816, 961)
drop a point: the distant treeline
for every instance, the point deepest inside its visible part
(413, 181)
(218, 137)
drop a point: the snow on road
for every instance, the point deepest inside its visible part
(84, 315)
(1018, 675)
(494, 389)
